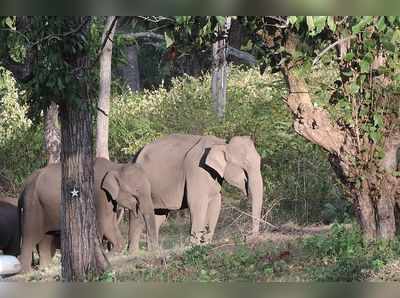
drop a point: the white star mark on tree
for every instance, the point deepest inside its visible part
(75, 193)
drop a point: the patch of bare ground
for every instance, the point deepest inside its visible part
(389, 272)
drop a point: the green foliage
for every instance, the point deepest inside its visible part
(297, 176)
(211, 264)
(345, 256)
(21, 144)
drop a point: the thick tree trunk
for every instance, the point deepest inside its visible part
(130, 72)
(52, 134)
(375, 196)
(220, 71)
(82, 256)
(105, 90)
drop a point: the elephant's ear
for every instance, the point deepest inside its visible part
(216, 159)
(111, 184)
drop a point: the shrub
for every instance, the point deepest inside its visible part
(21, 143)
(346, 256)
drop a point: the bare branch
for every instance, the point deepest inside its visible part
(316, 59)
(144, 35)
(246, 57)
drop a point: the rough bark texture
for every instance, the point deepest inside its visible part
(376, 194)
(105, 90)
(52, 134)
(220, 72)
(130, 72)
(82, 255)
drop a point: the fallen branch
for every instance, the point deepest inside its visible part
(249, 215)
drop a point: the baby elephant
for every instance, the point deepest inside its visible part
(115, 185)
(9, 229)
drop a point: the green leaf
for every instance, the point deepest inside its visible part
(168, 40)
(292, 20)
(354, 88)
(364, 66)
(378, 120)
(10, 23)
(331, 23)
(381, 24)
(349, 56)
(220, 20)
(396, 36)
(391, 19)
(319, 23)
(310, 23)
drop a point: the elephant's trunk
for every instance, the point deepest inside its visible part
(255, 193)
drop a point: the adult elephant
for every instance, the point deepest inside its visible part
(187, 171)
(114, 184)
(9, 229)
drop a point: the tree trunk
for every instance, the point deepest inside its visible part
(82, 256)
(130, 72)
(52, 134)
(220, 71)
(375, 193)
(105, 90)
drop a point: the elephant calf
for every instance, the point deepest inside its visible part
(114, 184)
(9, 229)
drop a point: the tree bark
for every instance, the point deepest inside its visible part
(52, 134)
(375, 195)
(82, 256)
(105, 90)
(220, 71)
(130, 72)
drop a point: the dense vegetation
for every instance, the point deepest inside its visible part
(299, 183)
(325, 122)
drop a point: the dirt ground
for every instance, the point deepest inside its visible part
(122, 262)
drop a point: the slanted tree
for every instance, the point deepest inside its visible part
(357, 122)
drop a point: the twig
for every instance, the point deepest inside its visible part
(316, 59)
(59, 36)
(249, 215)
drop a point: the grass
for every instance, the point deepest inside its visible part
(289, 254)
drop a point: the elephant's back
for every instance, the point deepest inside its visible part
(162, 161)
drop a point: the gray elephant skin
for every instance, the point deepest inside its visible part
(9, 229)
(114, 184)
(186, 171)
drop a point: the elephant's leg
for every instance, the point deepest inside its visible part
(29, 242)
(160, 219)
(136, 227)
(214, 208)
(46, 249)
(198, 210)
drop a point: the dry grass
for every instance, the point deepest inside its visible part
(177, 230)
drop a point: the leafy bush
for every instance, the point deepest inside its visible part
(21, 143)
(345, 256)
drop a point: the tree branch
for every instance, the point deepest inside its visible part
(144, 35)
(246, 57)
(316, 59)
